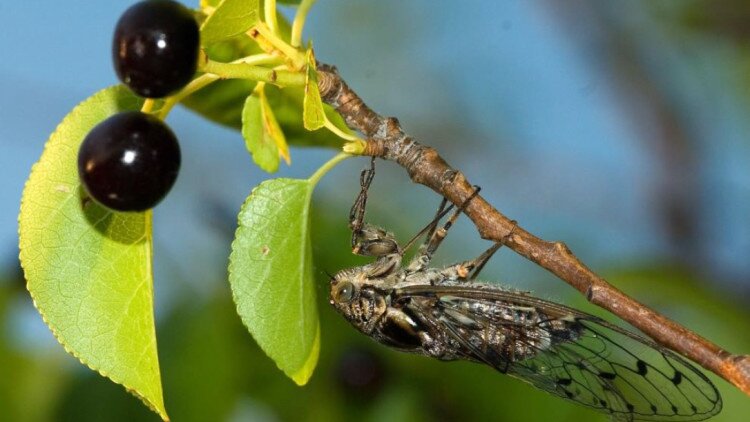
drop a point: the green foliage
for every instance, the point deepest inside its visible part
(223, 102)
(288, 104)
(89, 269)
(231, 18)
(263, 137)
(313, 115)
(270, 271)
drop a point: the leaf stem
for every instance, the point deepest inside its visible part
(208, 78)
(196, 84)
(356, 147)
(338, 132)
(297, 57)
(325, 168)
(269, 8)
(299, 22)
(148, 105)
(283, 78)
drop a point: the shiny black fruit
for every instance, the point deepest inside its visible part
(129, 161)
(155, 47)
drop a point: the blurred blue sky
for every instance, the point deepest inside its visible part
(509, 91)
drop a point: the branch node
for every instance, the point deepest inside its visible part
(449, 176)
(375, 148)
(738, 370)
(562, 248)
(392, 128)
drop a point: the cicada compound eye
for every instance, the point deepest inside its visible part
(345, 293)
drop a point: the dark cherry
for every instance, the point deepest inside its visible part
(155, 47)
(129, 161)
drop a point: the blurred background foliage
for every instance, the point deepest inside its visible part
(618, 127)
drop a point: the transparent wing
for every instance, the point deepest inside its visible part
(566, 352)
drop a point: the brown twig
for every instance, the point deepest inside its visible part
(386, 139)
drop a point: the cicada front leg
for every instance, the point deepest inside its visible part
(369, 240)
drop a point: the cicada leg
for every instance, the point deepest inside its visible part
(357, 212)
(469, 270)
(435, 235)
(369, 240)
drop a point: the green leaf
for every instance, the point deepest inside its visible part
(270, 272)
(223, 101)
(272, 128)
(231, 18)
(257, 133)
(287, 104)
(89, 270)
(312, 106)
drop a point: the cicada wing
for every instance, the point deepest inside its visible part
(566, 352)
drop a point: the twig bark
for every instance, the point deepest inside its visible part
(386, 139)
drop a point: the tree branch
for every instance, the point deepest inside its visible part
(386, 139)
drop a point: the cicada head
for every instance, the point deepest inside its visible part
(354, 297)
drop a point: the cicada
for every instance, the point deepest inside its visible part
(446, 314)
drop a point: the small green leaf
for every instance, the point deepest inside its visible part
(270, 272)
(287, 105)
(88, 269)
(231, 18)
(312, 106)
(263, 136)
(223, 102)
(272, 128)
(263, 149)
